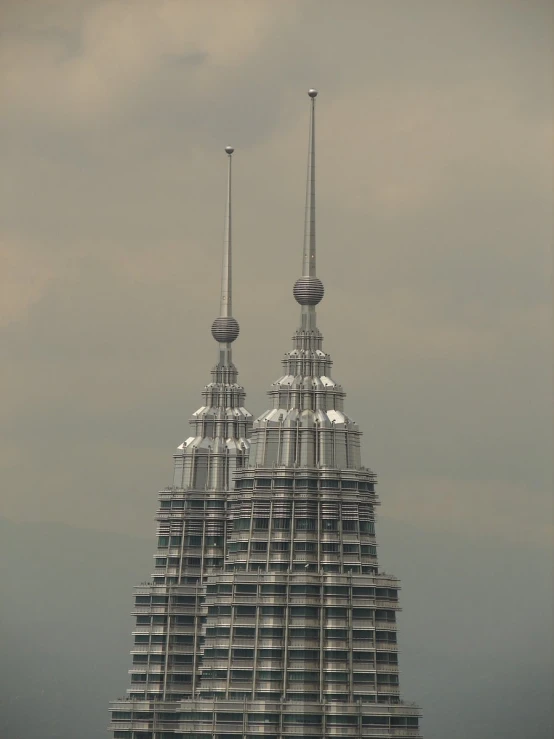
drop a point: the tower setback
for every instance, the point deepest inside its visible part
(267, 613)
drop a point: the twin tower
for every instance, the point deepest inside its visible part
(267, 614)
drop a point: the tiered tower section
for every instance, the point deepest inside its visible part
(192, 530)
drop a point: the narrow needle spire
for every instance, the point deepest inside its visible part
(225, 329)
(226, 272)
(308, 290)
(308, 262)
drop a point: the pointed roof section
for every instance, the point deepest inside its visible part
(308, 289)
(225, 329)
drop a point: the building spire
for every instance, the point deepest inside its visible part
(308, 289)
(225, 329)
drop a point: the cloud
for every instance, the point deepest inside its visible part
(96, 66)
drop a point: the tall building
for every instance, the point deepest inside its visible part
(267, 613)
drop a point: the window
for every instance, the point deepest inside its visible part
(160, 561)
(306, 524)
(350, 548)
(386, 636)
(243, 632)
(329, 524)
(175, 541)
(336, 677)
(309, 654)
(245, 610)
(303, 677)
(335, 634)
(259, 546)
(180, 639)
(283, 482)
(270, 675)
(184, 600)
(263, 482)
(280, 546)
(350, 526)
(386, 679)
(381, 615)
(336, 654)
(238, 546)
(364, 677)
(244, 589)
(335, 612)
(263, 718)
(271, 632)
(193, 541)
(281, 524)
(304, 611)
(305, 546)
(270, 653)
(243, 654)
(142, 600)
(219, 504)
(163, 542)
(304, 590)
(367, 527)
(375, 720)
(369, 549)
(218, 631)
(362, 656)
(329, 546)
(336, 590)
(362, 634)
(219, 610)
(274, 589)
(182, 620)
(334, 720)
(273, 611)
(304, 719)
(349, 485)
(296, 633)
(363, 592)
(143, 620)
(362, 613)
(261, 523)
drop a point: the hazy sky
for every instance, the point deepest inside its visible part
(434, 225)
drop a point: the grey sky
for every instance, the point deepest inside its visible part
(434, 220)
(434, 227)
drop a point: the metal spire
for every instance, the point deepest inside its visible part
(225, 329)
(308, 261)
(308, 290)
(226, 272)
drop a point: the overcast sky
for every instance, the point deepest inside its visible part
(434, 225)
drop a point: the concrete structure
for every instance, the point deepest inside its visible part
(267, 613)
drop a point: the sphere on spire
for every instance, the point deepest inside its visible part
(308, 290)
(312, 93)
(225, 329)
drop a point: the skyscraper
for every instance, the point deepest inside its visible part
(267, 613)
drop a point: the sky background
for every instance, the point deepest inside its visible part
(434, 191)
